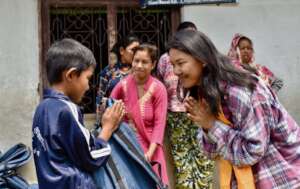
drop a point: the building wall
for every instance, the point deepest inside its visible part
(19, 73)
(274, 27)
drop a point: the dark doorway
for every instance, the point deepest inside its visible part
(87, 26)
(96, 23)
(150, 25)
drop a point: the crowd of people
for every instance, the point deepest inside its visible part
(222, 117)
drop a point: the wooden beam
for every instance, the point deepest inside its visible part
(175, 19)
(111, 26)
(93, 3)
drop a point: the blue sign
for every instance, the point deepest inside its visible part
(146, 3)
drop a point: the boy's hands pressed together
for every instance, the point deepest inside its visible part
(111, 119)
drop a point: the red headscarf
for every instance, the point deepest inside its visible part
(234, 53)
(262, 71)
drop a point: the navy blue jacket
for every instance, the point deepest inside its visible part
(65, 153)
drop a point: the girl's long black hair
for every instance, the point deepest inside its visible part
(218, 67)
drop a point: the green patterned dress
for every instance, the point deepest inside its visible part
(192, 169)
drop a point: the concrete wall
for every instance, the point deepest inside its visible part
(274, 27)
(19, 73)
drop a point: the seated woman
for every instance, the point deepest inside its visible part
(242, 53)
(145, 100)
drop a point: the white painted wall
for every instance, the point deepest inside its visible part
(19, 73)
(274, 27)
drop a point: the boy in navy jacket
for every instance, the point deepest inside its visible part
(65, 153)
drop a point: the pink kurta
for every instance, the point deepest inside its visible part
(148, 114)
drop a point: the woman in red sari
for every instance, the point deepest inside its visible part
(145, 99)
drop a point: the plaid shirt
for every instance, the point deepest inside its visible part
(262, 135)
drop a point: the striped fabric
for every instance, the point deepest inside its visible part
(95, 153)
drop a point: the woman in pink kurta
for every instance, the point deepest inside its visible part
(145, 99)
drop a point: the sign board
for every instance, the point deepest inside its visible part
(146, 3)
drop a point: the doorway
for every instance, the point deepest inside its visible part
(98, 25)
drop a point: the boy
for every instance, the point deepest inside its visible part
(65, 153)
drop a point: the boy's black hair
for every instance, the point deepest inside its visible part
(66, 54)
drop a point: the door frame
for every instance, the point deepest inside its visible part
(111, 7)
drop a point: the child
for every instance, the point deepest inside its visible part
(101, 106)
(65, 153)
(113, 60)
